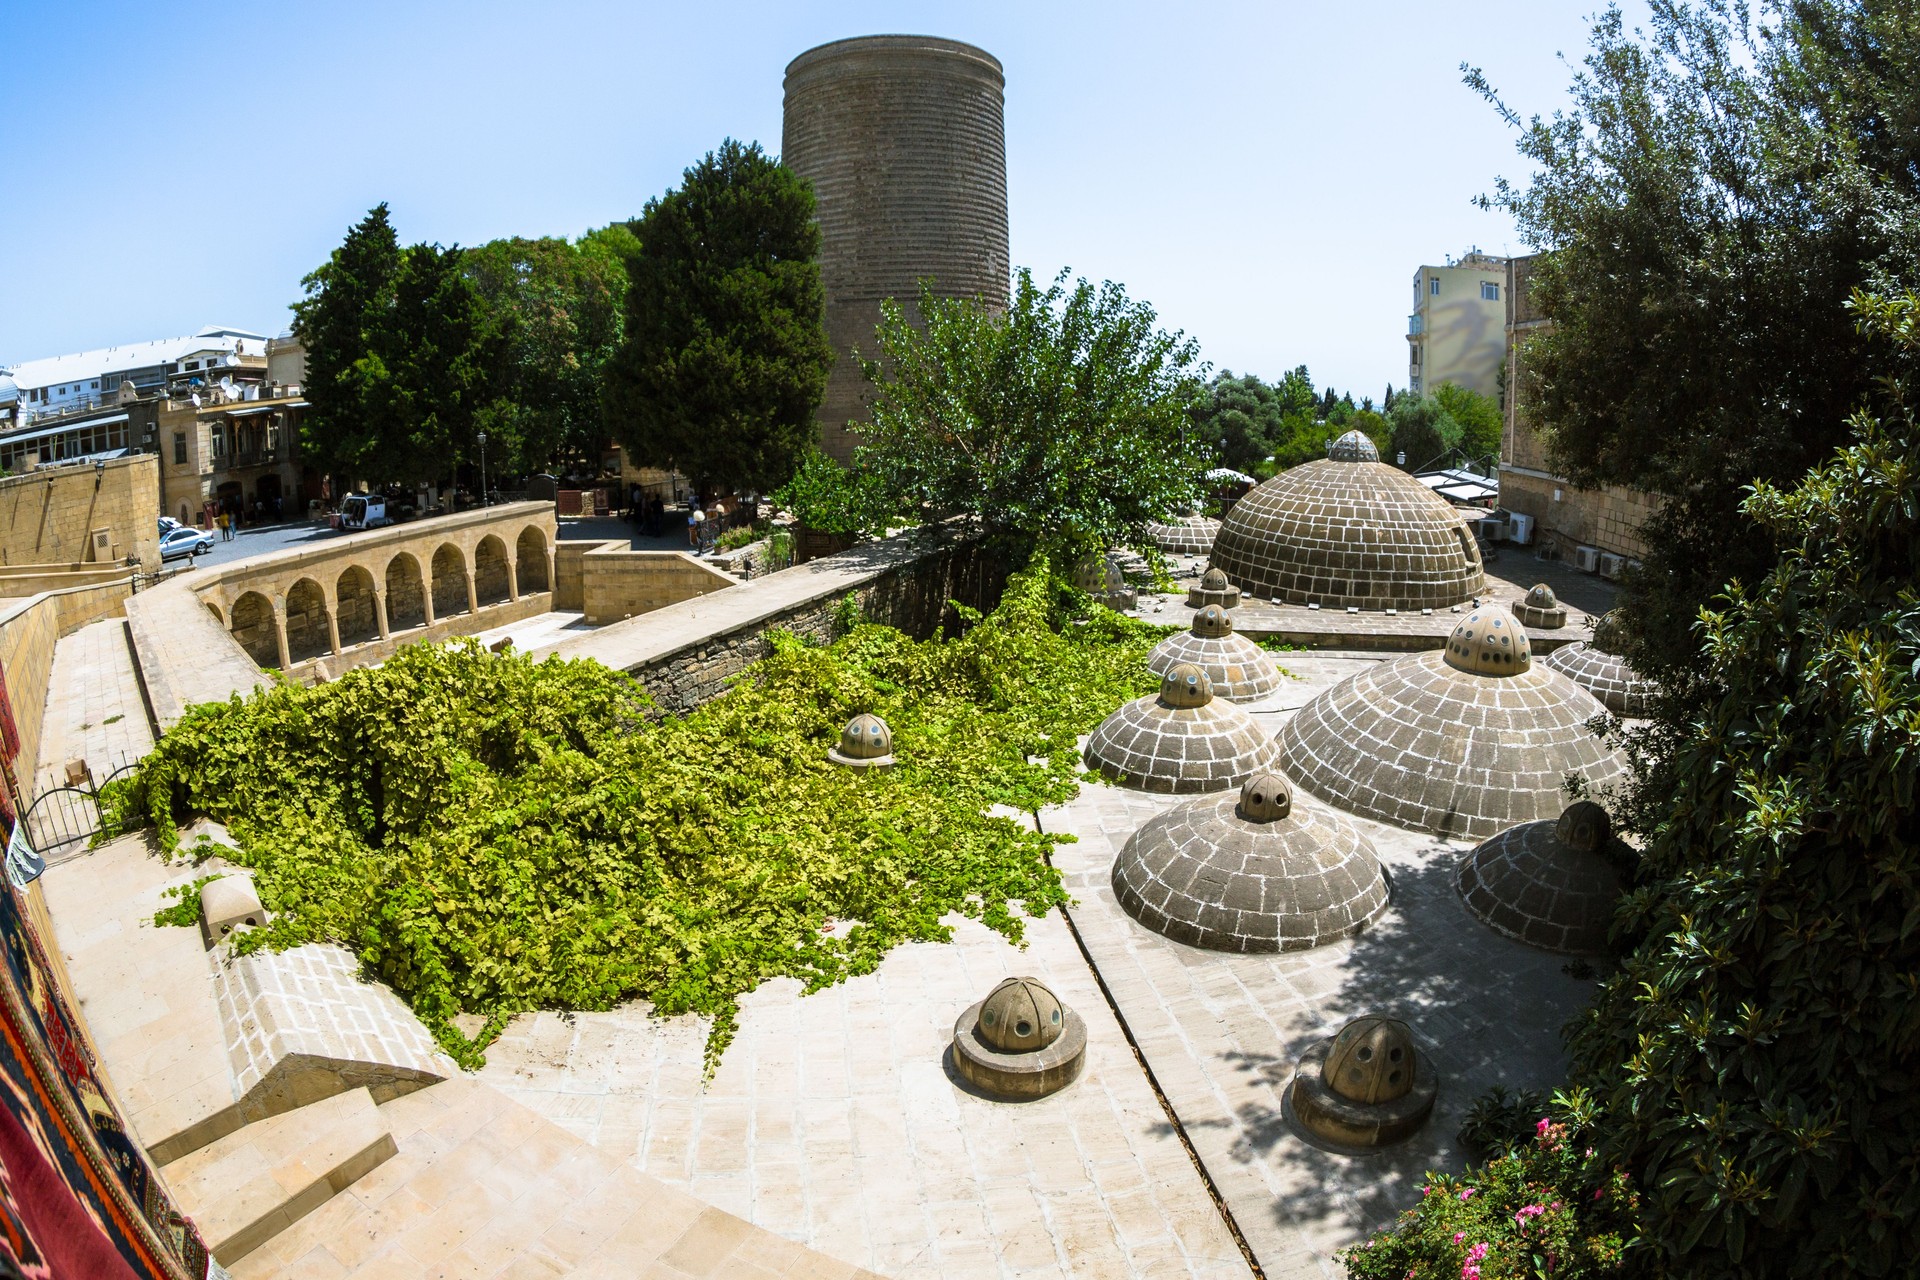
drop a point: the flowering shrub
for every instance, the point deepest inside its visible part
(1547, 1208)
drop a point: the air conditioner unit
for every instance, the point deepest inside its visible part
(1611, 564)
(1493, 530)
(1586, 559)
(1520, 528)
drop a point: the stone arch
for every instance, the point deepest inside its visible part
(353, 593)
(406, 594)
(253, 628)
(490, 584)
(307, 621)
(449, 581)
(530, 560)
(214, 609)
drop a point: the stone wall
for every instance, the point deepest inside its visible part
(27, 637)
(618, 583)
(49, 517)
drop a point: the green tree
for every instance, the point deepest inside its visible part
(560, 302)
(1423, 431)
(1479, 417)
(1754, 1058)
(1069, 417)
(724, 357)
(346, 299)
(1241, 415)
(1718, 187)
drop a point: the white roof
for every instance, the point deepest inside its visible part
(135, 355)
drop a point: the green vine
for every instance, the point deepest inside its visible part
(185, 912)
(490, 834)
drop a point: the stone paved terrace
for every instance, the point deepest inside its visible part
(94, 709)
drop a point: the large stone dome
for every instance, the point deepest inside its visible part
(1253, 871)
(1180, 741)
(1338, 532)
(1550, 885)
(1460, 750)
(1239, 669)
(1189, 535)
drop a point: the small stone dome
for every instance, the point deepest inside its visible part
(1606, 676)
(1609, 634)
(1186, 685)
(1541, 597)
(1549, 884)
(1372, 1061)
(1541, 609)
(1213, 580)
(1265, 797)
(1090, 575)
(1186, 535)
(1021, 1015)
(1489, 642)
(1240, 670)
(1214, 589)
(1354, 446)
(1421, 743)
(866, 742)
(1257, 871)
(1349, 533)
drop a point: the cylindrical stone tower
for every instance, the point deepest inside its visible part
(904, 141)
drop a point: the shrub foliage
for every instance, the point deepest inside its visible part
(490, 834)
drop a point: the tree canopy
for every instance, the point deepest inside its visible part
(1720, 184)
(724, 357)
(1069, 417)
(1263, 428)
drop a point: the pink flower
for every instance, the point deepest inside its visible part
(1426, 1191)
(1598, 1192)
(1467, 1194)
(1540, 1130)
(1458, 1236)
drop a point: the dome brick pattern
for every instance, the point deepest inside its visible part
(1339, 533)
(1606, 676)
(1185, 535)
(1418, 743)
(1254, 872)
(1238, 669)
(1547, 884)
(1214, 589)
(1353, 446)
(1541, 609)
(1180, 741)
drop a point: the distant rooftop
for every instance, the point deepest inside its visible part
(134, 355)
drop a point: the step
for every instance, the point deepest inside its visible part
(251, 1185)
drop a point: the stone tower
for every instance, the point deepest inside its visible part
(904, 141)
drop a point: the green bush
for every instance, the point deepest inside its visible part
(490, 834)
(1549, 1207)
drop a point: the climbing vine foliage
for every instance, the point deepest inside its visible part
(491, 834)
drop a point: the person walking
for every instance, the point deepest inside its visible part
(696, 527)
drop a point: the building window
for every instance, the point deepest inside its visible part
(179, 448)
(219, 440)
(1416, 354)
(1489, 291)
(273, 434)
(1433, 285)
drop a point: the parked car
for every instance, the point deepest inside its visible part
(168, 524)
(185, 542)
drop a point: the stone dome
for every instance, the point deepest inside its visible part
(1420, 743)
(1354, 446)
(1549, 884)
(1021, 1015)
(1597, 667)
(1214, 589)
(1489, 642)
(1238, 669)
(1541, 608)
(1188, 535)
(1609, 633)
(1181, 740)
(1340, 533)
(866, 743)
(1372, 1061)
(1253, 871)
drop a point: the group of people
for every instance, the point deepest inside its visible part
(228, 514)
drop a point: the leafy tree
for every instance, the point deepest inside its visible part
(1720, 184)
(346, 298)
(1423, 430)
(1753, 1060)
(1243, 414)
(1479, 417)
(1068, 417)
(560, 303)
(724, 357)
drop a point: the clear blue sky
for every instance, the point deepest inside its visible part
(1267, 175)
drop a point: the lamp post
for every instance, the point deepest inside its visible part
(483, 471)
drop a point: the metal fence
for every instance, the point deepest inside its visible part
(62, 821)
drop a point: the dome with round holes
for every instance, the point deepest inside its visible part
(1257, 871)
(1021, 1015)
(1541, 608)
(1489, 642)
(1554, 885)
(1238, 669)
(1020, 1042)
(1427, 743)
(1340, 533)
(1372, 1061)
(1181, 740)
(866, 743)
(1214, 589)
(1353, 446)
(1365, 1087)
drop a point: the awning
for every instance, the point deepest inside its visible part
(63, 428)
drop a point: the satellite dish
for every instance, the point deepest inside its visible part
(195, 397)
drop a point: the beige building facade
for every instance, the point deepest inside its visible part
(1457, 330)
(1580, 524)
(231, 455)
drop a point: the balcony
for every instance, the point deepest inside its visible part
(1416, 325)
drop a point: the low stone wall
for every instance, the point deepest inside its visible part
(617, 583)
(29, 629)
(19, 581)
(690, 652)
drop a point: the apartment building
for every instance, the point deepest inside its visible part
(1457, 330)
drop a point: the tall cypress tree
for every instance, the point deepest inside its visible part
(346, 298)
(725, 356)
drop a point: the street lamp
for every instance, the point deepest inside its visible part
(483, 470)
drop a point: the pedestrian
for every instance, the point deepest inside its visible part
(696, 524)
